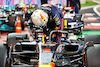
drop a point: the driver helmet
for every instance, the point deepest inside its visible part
(39, 17)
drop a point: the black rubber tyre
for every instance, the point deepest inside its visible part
(92, 50)
(93, 37)
(12, 20)
(22, 25)
(3, 55)
(93, 56)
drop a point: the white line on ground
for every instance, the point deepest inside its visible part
(88, 7)
(89, 13)
(92, 18)
(96, 1)
(94, 24)
(95, 10)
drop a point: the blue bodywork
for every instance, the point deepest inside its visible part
(9, 8)
(5, 27)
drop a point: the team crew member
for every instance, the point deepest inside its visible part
(76, 4)
(49, 18)
(43, 1)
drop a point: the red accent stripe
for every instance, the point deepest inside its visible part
(91, 27)
(42, 17)
(57, 51)
(87, 20)
(85, 15)
(62, 24)
(47, 50)
(58, 39)
(85, 59)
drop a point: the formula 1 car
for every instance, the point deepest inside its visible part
(8, 21)
(8, 16)
(72, 22)
(8, 8)
(35, 53)
(69, 13)
(32, 52)
(29, 10)
(20, 51)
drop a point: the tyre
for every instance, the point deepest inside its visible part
(93, 37)
(22, 25)
(12, 20)
(93, 56)
(3, 55)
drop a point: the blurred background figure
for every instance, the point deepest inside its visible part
(21, 3)
(59, 6)
(74, 3)
(44, 1)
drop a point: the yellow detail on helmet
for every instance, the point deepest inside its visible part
(42, 17)
(57, 19)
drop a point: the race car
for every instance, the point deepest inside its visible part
(8, 20)
(72, 21)
(4, 21)
(20, 51)
(28, 11)
(8, 8)
(8, 16)
(36, 53)
(69, 12)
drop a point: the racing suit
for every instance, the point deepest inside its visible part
(55, 21)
